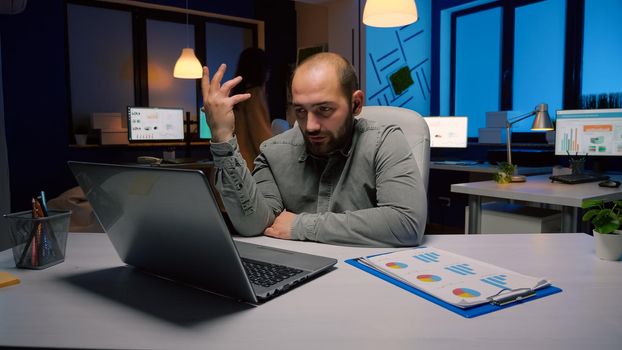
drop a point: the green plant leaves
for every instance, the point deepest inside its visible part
(605, 219)
(504, 175)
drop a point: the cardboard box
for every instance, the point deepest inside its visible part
(106, 121)
(113, 137)
(496, 119)
(491, 135)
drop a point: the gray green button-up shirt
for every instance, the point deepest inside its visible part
(369, 194)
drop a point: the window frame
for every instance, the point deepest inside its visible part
(573, 50)
(140, 13)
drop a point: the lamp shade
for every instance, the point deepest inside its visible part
(543, 120)
(188, 65)
(389, 13)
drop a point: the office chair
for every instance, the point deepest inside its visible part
(414, 127)
(279, 126)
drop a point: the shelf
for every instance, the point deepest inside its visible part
(143, 145)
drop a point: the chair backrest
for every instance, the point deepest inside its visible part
(279, 126)
(414, 127)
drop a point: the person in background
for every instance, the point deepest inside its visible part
(252, 119)
(332, 179)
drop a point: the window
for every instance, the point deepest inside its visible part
(602, 49)
(121, 55)
(223, 43)
(95, 50)
(164, 43)
(505, 55)
(477, 66)
(538, 76)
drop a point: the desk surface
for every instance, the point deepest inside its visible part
(93, 301)
(540, 189)
(485, 168)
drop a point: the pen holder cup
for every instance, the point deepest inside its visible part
(39, 243)
(577, 166)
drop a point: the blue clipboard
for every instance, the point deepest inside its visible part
(468, 312)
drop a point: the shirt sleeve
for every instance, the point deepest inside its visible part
(252, 203)
(399, 218)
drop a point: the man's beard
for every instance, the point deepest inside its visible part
(334, 142)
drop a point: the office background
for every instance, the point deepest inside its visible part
(465, 58)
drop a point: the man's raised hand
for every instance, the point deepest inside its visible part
(219, 105)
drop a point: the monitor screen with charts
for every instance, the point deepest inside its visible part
(150, 124)
(447, 132)
(596, 132)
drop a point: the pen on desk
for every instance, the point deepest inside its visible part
(46, 249)
(34, 234)
(44, 204)
(35, 239)
(30, 238)
(50, 244)
(43, 247)
(40, 247)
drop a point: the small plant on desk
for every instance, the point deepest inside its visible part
(505, 172)
(606, 217)
(607, 221)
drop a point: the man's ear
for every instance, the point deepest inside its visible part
(357, 102)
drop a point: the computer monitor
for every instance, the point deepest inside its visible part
(447, 132)
(205, 133)
(596, 132)
(151, 124)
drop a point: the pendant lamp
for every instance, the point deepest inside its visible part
(389, 13)
(188, 65)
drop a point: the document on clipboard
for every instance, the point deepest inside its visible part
(457, 280)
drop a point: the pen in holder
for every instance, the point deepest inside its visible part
(577, 163)
(39, 242)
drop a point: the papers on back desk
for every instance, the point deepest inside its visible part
(455, 279)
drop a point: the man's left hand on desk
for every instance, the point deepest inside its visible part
(282, 226)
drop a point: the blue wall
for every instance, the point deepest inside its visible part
(388, 50)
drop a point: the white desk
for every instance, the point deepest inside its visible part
(485, 168)
(537, 189)
(92, 301)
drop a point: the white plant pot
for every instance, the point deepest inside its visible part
(608, 246)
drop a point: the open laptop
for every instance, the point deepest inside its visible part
(167, 222)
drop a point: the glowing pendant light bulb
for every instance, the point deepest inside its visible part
(390, 13)
(187, 65)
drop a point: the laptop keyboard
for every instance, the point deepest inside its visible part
(578, 178)
(265, 274)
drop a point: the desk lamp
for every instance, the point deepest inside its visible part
(542, 122)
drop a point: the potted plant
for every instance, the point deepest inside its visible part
(504, 174)
(607, 221)
(81, 134)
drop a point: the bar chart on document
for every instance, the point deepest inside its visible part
(569, 142)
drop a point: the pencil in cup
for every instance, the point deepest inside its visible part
(39, 242)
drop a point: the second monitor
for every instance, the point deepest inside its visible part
(597, 132)
(447, 132)
(150, 124)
